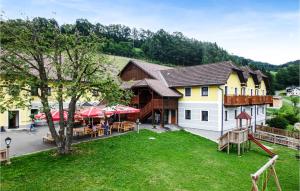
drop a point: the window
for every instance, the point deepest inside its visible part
(204, 91)
(226, 90)
(187, 114)
(235, 91)
(257, 110)
(34, 91)
(226, 119)
(251, 110)
(187, 91)
(243, 91)
(263, 92)
(251, 92)
(256, 92)
(49, 91)
(235, 114)
(204, 115)
(262, 110)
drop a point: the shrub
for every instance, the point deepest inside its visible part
(278, 122)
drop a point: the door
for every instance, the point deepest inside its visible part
(13, 119)
(173, 117)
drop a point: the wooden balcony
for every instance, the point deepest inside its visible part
(236, 100)
(247, 100)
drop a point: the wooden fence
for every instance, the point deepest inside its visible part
(277, 139)
(273, 130)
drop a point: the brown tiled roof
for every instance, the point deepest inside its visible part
(247, 71)
(207, 74)
(156, 85)
(260, 75)
(161, 89)
(149, 68)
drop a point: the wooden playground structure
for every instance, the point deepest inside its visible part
(265, 173)
(240, 136)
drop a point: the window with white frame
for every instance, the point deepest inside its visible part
(187, 92)
(251, 110)
(243, 91)
(251, 92)
(204, 91)
(263, 110)
(187, 114)
(204, 115)
(235, 91)
(235, 114)
(226, 116)
(257, 110)
(226, 90)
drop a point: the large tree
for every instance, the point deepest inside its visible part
(38, 53)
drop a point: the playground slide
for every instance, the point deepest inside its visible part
(251, 137)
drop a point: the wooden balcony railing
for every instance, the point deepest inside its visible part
(247, 100)
(236, 100)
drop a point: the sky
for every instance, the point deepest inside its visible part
(262, 30)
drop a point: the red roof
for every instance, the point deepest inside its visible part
(243, 115)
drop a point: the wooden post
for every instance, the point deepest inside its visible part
(275, 177)
(228, 140)
(153, 120)
(162, 113)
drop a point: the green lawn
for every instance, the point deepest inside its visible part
(173, 161)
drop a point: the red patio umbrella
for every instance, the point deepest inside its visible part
(121, 109)
(54, 113)
(91, 112)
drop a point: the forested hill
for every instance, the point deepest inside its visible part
(161, 46)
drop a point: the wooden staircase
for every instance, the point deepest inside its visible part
(224, 141)
(146, 111)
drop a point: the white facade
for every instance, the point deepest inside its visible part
(214, 109)
(213, 123)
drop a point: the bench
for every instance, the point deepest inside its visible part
(48, 138)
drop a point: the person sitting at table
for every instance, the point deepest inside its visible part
(106, 127)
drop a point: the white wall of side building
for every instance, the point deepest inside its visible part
(214, 115)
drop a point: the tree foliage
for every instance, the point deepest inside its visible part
(39, 52)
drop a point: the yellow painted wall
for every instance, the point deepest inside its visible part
(263, 89)
(196, 94)
(24, 117)
(250, 85)
(232, 83)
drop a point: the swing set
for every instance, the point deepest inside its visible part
(265, 173)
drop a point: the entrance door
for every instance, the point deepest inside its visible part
(13, 119)
(173, 117)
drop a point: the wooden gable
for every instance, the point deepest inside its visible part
(133, 72)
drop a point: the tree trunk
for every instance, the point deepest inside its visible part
(70, 125)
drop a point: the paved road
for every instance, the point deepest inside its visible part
(24, 141)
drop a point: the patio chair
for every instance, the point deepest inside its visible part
(127, 126)
(116, 126)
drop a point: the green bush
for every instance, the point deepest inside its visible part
(278, 122)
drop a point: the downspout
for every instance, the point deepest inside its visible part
(255, 118)
(222, 116)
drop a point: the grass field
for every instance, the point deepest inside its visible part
(173, 161)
